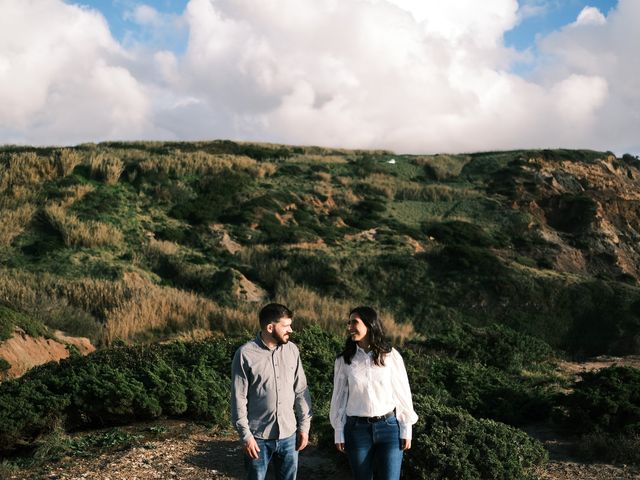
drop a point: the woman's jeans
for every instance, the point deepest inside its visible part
(284, 455)
(373, 447)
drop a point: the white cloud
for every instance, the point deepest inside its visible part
(144, 15)
(409, 75)
(61, 79)
(590, 16)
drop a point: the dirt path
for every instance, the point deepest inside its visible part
(186, 451)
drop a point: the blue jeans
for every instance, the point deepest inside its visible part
(373, 447)
(284, 455)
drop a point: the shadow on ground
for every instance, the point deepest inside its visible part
(223, 457)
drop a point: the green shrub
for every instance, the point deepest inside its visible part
(118, 385)
(4, 365)
(605, 401)
(496, 345)
(449, 443)
(457, 232)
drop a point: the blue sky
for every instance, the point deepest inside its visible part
(552, 16)
(413, 76)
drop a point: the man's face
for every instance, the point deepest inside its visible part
(281, 330)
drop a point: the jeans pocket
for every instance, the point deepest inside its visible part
(391, 420)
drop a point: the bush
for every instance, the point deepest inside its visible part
(457, 232)
(116, 386)
(606, 401)
(496, 345)
(450, 443)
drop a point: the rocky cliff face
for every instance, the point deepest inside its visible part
(23, 352)
(585, 212)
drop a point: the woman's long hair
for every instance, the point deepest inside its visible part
(380, 346)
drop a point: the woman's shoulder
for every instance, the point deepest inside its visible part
(394, 354)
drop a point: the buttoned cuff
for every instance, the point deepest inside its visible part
(405, 430)
(339, 436)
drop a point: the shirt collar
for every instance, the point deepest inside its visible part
(262, 345)
(359, 349)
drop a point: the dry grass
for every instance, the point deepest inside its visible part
(432, 193)
(66, 161)
(330, 313)
(14, 221)
(202, 164)
(385, 184)
(106, 167)
(316, 158)
(76, 233)
(25, 170)
(322, 177)
(152, 309)
(133, 308)
(157, 248)
(443, 166)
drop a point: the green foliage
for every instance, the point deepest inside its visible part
(571, 212)
(216, 194)
(605, 401)
(496, 346)
(449, 443)
(4, 365)
(116, 386)
(458, 233)
(9, 319)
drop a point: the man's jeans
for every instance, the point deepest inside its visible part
(370, 445)
(284, 455)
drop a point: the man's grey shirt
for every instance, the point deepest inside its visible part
(269, 394)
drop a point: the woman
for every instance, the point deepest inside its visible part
(371, 407)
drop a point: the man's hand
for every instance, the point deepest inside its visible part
(251, 448)
(340, 447)
(303, 440)
(405, 443)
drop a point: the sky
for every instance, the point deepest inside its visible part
(412, 76)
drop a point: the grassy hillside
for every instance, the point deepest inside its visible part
(146, 241)
(485, 267)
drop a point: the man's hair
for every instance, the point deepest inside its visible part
(272, 313)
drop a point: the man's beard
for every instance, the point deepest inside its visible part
(281, 339)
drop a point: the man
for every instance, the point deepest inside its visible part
(270, 402)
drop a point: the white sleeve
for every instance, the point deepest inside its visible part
(337, 412)
(402, 395)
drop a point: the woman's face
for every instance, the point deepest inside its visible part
(356, 328)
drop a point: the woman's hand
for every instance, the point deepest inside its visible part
(405, 443)
(340, 447)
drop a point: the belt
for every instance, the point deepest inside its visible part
(375, 419)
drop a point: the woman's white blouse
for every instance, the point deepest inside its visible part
(364, 389)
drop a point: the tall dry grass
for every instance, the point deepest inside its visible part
(330, 313)
(66, 160)
(76, 233)
(106, 167)
(432, 193)
(443, 166)
(25, 169)
(13, 222)
(202, 164)
(130, 309)
(39, 297)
